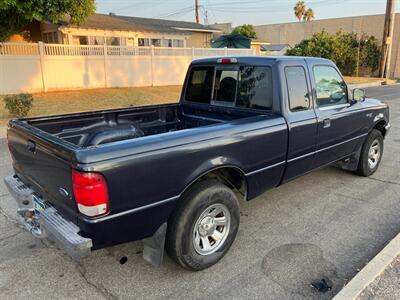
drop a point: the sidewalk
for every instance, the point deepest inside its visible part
(379, 279)
(386, 286)
(377, 82)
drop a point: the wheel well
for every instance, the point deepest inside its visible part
(230, 176)
(381, 127)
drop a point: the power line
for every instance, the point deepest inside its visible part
(176, 12)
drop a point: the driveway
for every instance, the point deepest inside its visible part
(327, 224)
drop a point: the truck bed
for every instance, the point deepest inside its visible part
(44, 149)
(96, 128)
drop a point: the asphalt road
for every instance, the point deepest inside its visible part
(327, 224)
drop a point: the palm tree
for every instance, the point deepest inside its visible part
(308, 15)
(299, 10)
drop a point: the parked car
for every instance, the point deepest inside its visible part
(174, 173)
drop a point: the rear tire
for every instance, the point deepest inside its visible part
(203, 226)
(371, 154)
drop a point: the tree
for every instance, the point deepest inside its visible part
(17, 14)
(246, 30)
(342, 49)
(308, 15)
(299, 10)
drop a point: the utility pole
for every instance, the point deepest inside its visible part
(387, 38)
(197, 10)
(391, 30)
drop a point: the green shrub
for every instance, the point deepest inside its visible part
(19, 105)
(342, 48)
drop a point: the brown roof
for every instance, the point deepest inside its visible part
(125, 23)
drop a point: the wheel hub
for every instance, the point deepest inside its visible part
(374, 154)
(207, 226)
(211, 229)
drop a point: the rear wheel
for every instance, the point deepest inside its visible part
(203, 226)
(371, 154)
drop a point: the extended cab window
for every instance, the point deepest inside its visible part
(330, 87)
(255, 88)
(297, 88)
(200, 83)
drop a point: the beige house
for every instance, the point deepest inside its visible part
(112, 29)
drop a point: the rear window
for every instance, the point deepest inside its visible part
(200, 84)
(225, 86)
(244, 86)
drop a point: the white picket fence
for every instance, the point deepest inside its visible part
(38, 67)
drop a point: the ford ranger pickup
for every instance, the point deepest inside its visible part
(172, 175)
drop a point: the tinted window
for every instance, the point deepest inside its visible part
(200, 84)
(255, 88)
(225, 85)
(330, 87)
(248, 87)
(297, 88)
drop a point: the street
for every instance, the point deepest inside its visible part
(325, 225)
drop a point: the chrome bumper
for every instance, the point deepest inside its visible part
(48, 223)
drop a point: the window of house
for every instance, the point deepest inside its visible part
(178, 43)
(113, 41)
(83, 40)
(156, 42)
(96, 40)
(50, 37)
(80, 40)
(330, 86)
(168, 43)
(297, 88)
(142, 42)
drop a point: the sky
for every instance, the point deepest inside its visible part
(256, 12)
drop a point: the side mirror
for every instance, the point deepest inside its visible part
(358, 95)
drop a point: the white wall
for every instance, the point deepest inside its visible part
(60, 67)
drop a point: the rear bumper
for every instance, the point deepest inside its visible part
(48, 223)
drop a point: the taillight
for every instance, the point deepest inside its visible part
(90, 192)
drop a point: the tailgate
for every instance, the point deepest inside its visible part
(44, 164)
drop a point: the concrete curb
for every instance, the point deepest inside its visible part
(371, 271)
(371, 84)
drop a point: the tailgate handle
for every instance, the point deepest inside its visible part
(31, 146)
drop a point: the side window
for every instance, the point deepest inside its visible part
(297, 88)
(330, 87)
(255, 88)
(199, 85)
(225, 85)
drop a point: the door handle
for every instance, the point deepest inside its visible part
(326, 123)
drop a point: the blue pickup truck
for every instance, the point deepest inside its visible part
(173, 174)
